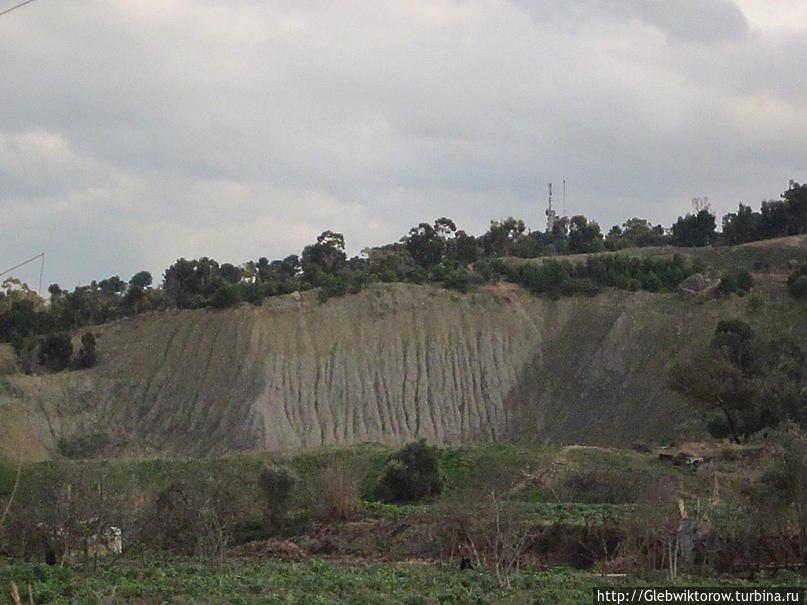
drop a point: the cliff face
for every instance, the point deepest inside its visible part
(393, 363)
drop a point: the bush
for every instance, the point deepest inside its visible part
(192, 517)
(56, 351)
(338, 495)
(602, 486)
(457, 279)
(226, 296)
(411, 474)
(797, 282)
(277, 483)
(736, 281)
(87, 356)
(84, 446)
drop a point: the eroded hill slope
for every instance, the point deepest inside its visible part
(390, 364)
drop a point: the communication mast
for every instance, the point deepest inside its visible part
(564, 198)
(551, 215)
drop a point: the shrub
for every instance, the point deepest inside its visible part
(191, 516)
(411, 474)
(277, 483)
(56, 351)
(225, 296)
(338, 493)
(602, 486)
(736, 281)
(485, 269)
(457, 279)
(84, 446)
(87, 355)
(797, 282)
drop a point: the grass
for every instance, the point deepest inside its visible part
(474, 469)
(772, 257)
(471, 472)
(247, 581)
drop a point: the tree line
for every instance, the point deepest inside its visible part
(435, 252)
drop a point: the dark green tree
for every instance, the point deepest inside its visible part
(695, 229)
(325, 258)
(742, 226)
(584, 236)
(427, 243)
(796, 201)
(87, 355)
(55, 351)
(411, 474)
(141, 279)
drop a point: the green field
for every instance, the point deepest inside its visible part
(317, 582)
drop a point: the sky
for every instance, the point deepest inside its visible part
(135, 132)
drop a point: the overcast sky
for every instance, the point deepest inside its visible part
(133, 132)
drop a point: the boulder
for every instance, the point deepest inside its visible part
(695, 283)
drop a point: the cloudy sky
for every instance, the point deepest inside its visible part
(133, 132)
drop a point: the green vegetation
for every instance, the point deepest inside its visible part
(277, 485)
(736, 281)
(797, 282)
(315, 582)
(588, 508)
(56, 351)
(438, 253)
(411, 474)
(746, 383)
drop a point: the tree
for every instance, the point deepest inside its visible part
(191, 283)
(782, 492)
(411, 474)
(87, 355)
(796, 201)
(695, 229)
(426, 244)
(225, 296)
(277, 483)
(773, 220)
(502, 236)
(141, 279)
(751, 385)
(112, 285)
(230, 273)
(56, 351)
(325, 258)
(741, 226)
(638, 232)
(463, 248)
(584, 236)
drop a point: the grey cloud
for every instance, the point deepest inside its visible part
(138, 131)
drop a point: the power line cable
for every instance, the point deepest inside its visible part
(33, 258)
(15, 7)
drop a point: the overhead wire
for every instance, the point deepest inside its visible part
(15, 7)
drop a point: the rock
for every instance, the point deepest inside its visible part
(296, 296)
(695, 283)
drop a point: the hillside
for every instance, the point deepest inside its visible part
(390, 364)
